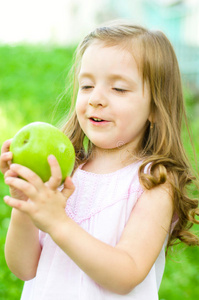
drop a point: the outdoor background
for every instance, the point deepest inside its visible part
(37, 42)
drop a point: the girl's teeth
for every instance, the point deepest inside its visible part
(98, 120)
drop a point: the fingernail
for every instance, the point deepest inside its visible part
(7, 180)
(7, 154)
(12, 166)
(51, 157)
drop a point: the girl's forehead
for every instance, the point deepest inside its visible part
(122, 52)
(122, 45)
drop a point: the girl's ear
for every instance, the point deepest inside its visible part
(151, 120)
(152, 115)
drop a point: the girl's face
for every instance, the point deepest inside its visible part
(112, 104)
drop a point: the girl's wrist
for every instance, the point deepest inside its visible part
(20, 217)
(59, 229)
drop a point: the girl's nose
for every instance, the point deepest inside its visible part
(97, 98)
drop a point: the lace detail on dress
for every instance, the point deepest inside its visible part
(96, 192)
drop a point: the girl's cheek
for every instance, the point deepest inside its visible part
(80, 106)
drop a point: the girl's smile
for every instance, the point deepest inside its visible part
(98, 121)
(112, 105)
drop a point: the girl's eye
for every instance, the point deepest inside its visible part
(120, 90)
(86, 87)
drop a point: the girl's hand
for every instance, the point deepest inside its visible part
(46, 204)
(5, 162)
(6, 157)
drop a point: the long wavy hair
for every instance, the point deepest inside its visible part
(161, 146)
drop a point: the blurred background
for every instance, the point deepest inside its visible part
(37, 42)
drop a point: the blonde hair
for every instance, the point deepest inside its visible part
(161, 145)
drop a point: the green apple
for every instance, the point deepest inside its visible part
(35, 142)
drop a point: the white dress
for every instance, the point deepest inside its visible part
(101, 205)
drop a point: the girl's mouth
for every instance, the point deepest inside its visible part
(98, 121)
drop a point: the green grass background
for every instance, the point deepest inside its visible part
(32, 80)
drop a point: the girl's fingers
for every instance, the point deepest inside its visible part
(56, 175)
(6, 156)
(21, 205)
(28, 175)
(5, 161)
(28, 189)
(6, 146)
(10, 173)
(69, 188)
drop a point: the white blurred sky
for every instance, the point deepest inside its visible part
(61, 21)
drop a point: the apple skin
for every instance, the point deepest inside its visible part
(32, 145)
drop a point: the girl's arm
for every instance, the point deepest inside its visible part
(22, 247)
(121, 268)
(118, 269)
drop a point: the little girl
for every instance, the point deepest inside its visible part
(103, 234)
